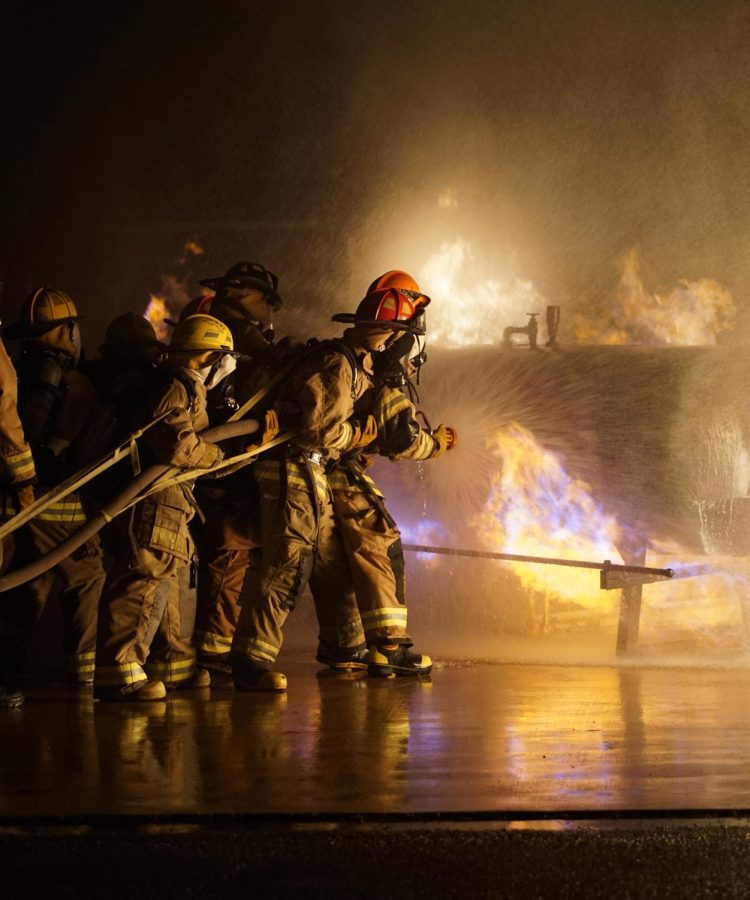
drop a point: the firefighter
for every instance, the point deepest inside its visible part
(56, 405)
(300, 540)
(121, 375)
(17, 477)
(245, 300)
(146, 623)
(127, 357)
(369, 533)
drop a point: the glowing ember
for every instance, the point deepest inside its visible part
(467, 311)
(193, 248)
(156, 312)
(691, 313)
(535, 508)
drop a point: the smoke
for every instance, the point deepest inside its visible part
(334, 142)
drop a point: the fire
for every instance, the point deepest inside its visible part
(690, 313)
(165, 307)
(156, 312)
(535, 508)
(469, 311)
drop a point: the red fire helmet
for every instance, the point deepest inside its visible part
(388, 308)
(401, 281)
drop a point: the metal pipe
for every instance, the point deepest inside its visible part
(605, 566)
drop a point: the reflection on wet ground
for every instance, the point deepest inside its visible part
(477, 737)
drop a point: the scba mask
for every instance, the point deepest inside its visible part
(419, 357)
(403, 359)
(214, 374)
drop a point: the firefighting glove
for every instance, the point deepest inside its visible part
(445, 438)
(271, 429)
(24, 496)
(364, 433)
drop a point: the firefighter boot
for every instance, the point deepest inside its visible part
(141, 690)
(342, 659)
(389, 660)
(251, 676)
(201, 679)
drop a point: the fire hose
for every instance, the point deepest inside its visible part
(126, 448)
(152, 479)
(77, 480)
(613, 575)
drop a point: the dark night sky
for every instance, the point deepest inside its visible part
(317, 136)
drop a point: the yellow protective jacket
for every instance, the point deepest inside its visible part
(16, 462)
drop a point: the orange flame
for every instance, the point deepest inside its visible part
(691, 313)
(535, 508)
(469, 311)
(156, 312)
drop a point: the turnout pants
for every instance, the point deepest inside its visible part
(372, 543)
(81, 576)
(301, 544)
(146, 621)
(226, 546)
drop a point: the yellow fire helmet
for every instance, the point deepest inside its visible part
(43, 309)
(200, 334)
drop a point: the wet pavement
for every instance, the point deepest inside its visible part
(490, 780)
(477, 740)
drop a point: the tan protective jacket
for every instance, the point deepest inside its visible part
(160, 521)
(16, 462)
(400, 436)
(325, 389)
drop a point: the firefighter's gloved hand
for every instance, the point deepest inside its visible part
(446, 439)
(364, 433)
(271, 429)
(25, 496)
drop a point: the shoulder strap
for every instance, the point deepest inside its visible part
(189, 386)
(346, 351)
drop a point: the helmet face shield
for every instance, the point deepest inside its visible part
(418, 298)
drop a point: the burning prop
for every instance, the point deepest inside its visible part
(469, 309)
